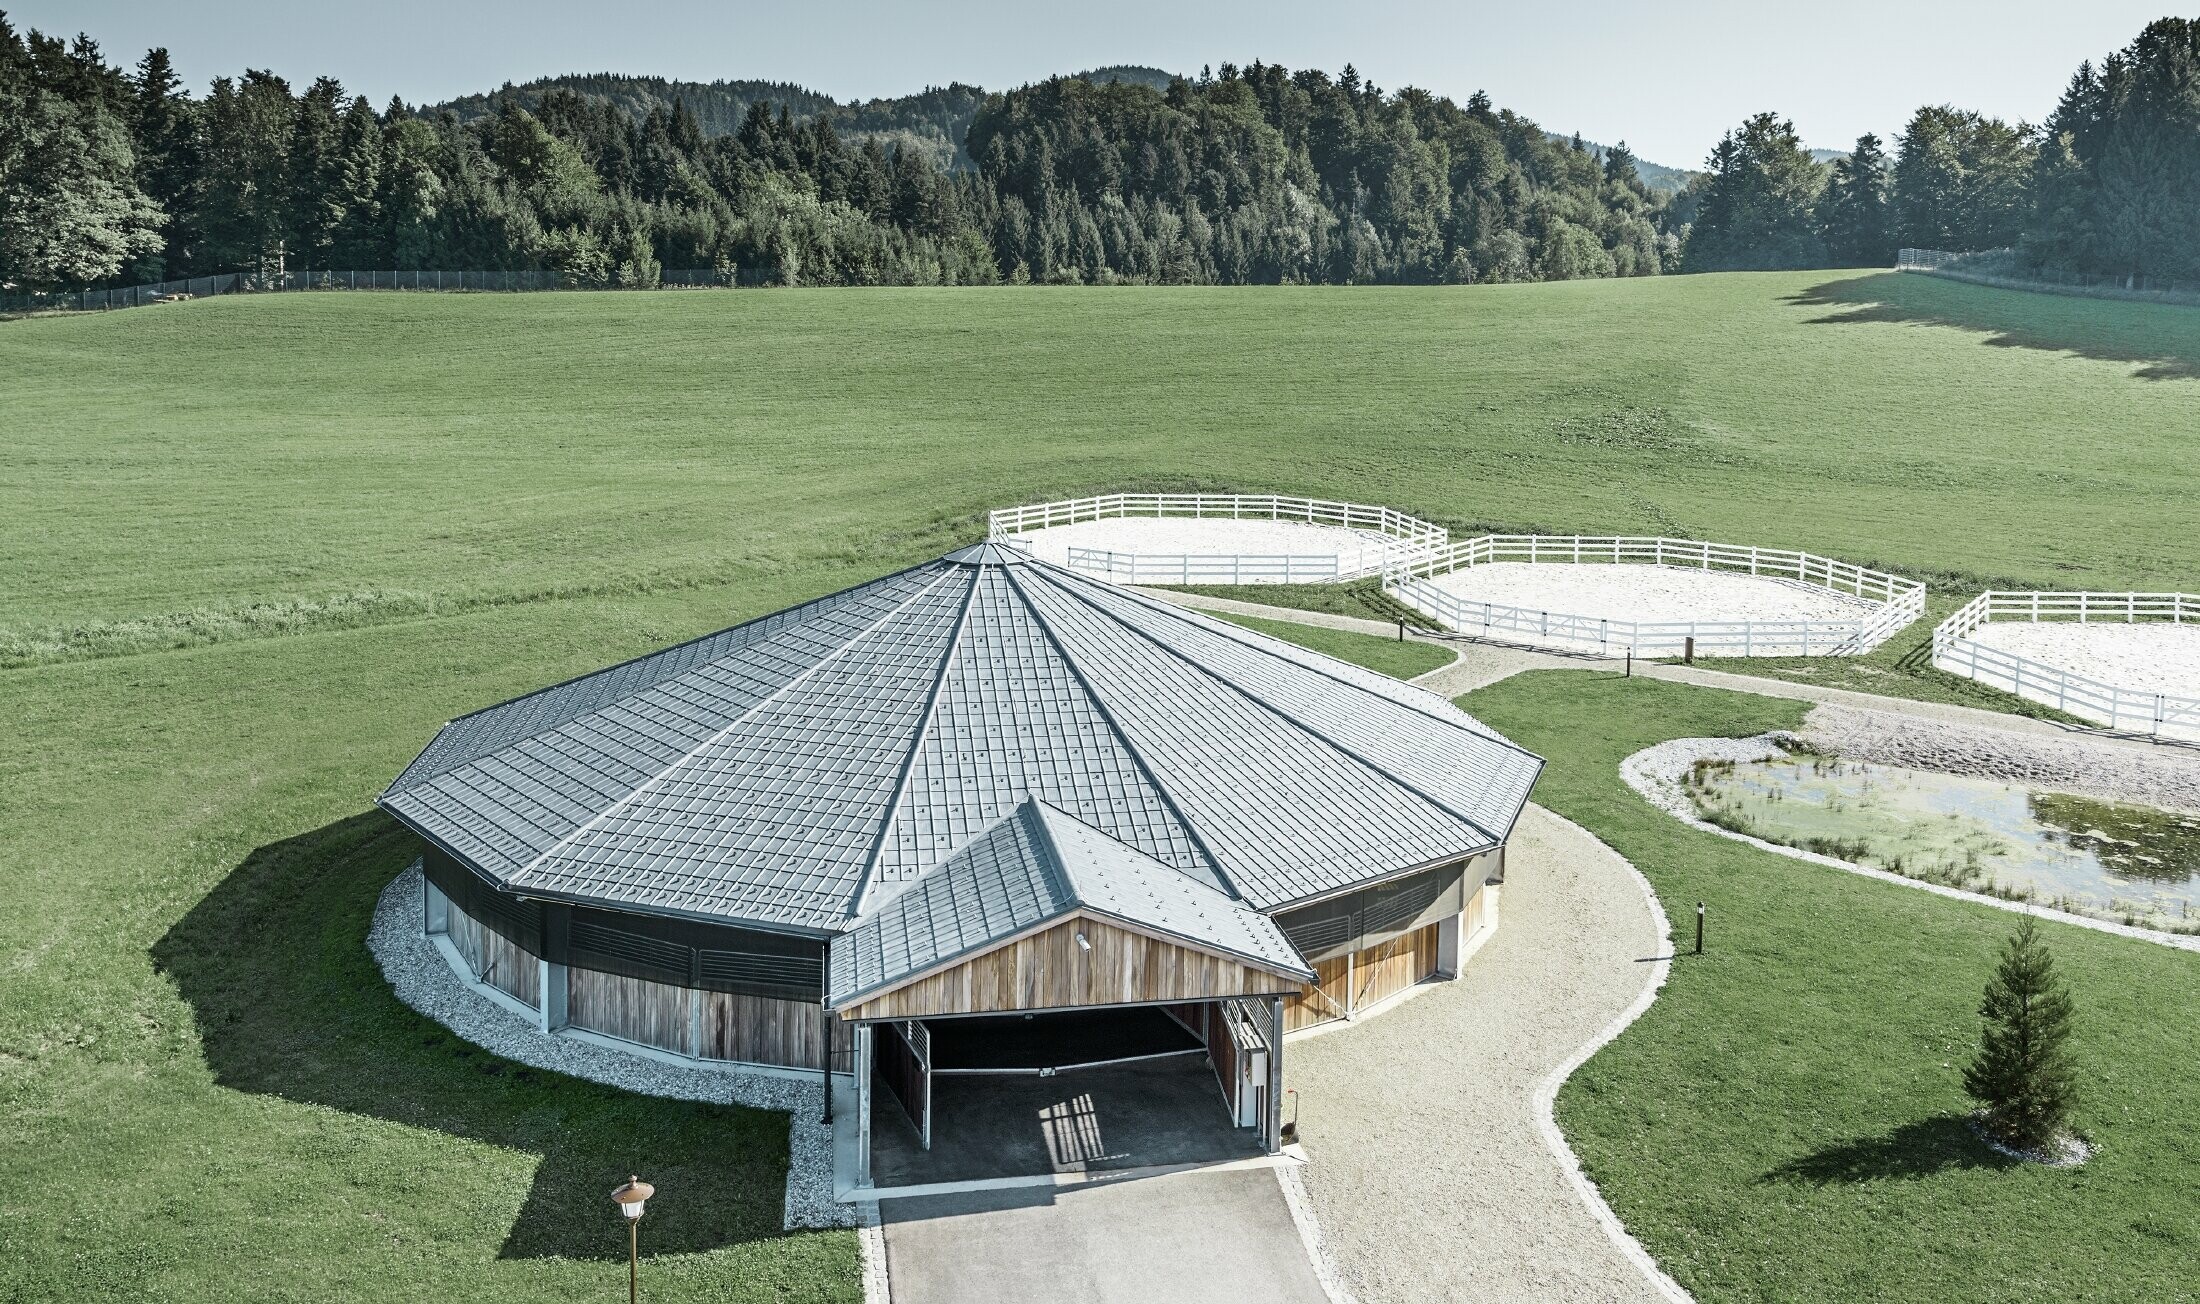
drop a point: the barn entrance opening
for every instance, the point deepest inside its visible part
(1024, 1095)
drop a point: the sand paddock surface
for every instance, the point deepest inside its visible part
(1648, 594)
(2146, 658)
(1175, 536)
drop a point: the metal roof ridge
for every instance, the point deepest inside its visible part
(916, 744)
(659, 777)
(1305, 727)
(621, 665)
(1130, 749)
(1246, 638)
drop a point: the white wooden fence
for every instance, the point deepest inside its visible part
(1955, 651)
(1220, 568)
(1897, 601)
(1412, 537)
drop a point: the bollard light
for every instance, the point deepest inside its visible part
(631, 1197)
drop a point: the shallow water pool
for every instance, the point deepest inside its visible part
(1980, 834)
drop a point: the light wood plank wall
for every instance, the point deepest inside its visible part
(1349, 984)
(1048, 970)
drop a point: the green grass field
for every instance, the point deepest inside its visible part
(1787, 1121)
(257, 549)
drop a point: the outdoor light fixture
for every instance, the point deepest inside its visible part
(1082, 943)
(631, 1197)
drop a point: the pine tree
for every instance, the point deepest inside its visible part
(1757, 208)
(2023, 1074)
(1852, 215)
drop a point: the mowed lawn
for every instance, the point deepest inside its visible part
(373, 512)
(1787, 1121)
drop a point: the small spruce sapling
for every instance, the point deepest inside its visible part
(2023, 1075)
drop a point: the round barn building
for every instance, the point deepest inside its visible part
(957, 831)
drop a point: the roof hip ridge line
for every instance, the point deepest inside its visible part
(1350, 753)
(759, 704)
(1242, 636)
(1191, 832)
(916, 745)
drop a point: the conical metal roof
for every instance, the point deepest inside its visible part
(800, 770)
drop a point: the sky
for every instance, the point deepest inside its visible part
(1667, 78)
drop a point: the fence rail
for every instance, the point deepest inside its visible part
(200, 287)
(1311, 511)
(1407, 537)
(1898, 601)
(1956, 651)
(1218, 568)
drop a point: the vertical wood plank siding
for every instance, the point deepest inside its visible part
(1348, 984)
(635, 1009)
(744, 1029)
(1048, 970)
(509, 968)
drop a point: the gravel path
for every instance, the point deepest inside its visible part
(1171, 536)
(2146, 658)
(1647, 593)
(424, 980)
(1430, 1174)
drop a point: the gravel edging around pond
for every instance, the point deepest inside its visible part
(423, 979)
(1656, 774)
(2102, 768)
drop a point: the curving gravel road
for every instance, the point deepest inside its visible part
(1429, 1176)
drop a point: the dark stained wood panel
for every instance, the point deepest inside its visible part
(496, 961)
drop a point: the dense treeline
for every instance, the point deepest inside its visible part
(2110, 186)
(1253, 175)
(113, 176)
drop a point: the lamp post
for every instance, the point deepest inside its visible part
(631, 1197)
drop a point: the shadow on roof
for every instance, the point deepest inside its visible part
(288, 1002)
(2162, 339)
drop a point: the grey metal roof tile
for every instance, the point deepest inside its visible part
(808, 766)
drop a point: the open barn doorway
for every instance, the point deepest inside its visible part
(1020, 1095)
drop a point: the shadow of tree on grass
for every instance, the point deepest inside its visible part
(1913, 1150)
(288, 1002)
(2162, 339)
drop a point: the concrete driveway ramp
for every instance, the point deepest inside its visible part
(1218, 1234)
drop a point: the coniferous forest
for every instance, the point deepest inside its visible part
(1253, 175)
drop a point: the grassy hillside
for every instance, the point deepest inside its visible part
(378, 511)
(378, 449)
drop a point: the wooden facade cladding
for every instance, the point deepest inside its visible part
(497, 960)
(1048, 970)
(1348, 984)
(703, 1025)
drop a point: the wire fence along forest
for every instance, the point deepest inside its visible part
(1895, 600)
(1999, 269)
(200, 287)
(1956, 651)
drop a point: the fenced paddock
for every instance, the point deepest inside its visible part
(1217, 538)
(1652, 596)
(2130, 661)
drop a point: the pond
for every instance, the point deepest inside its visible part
(2133, 863)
